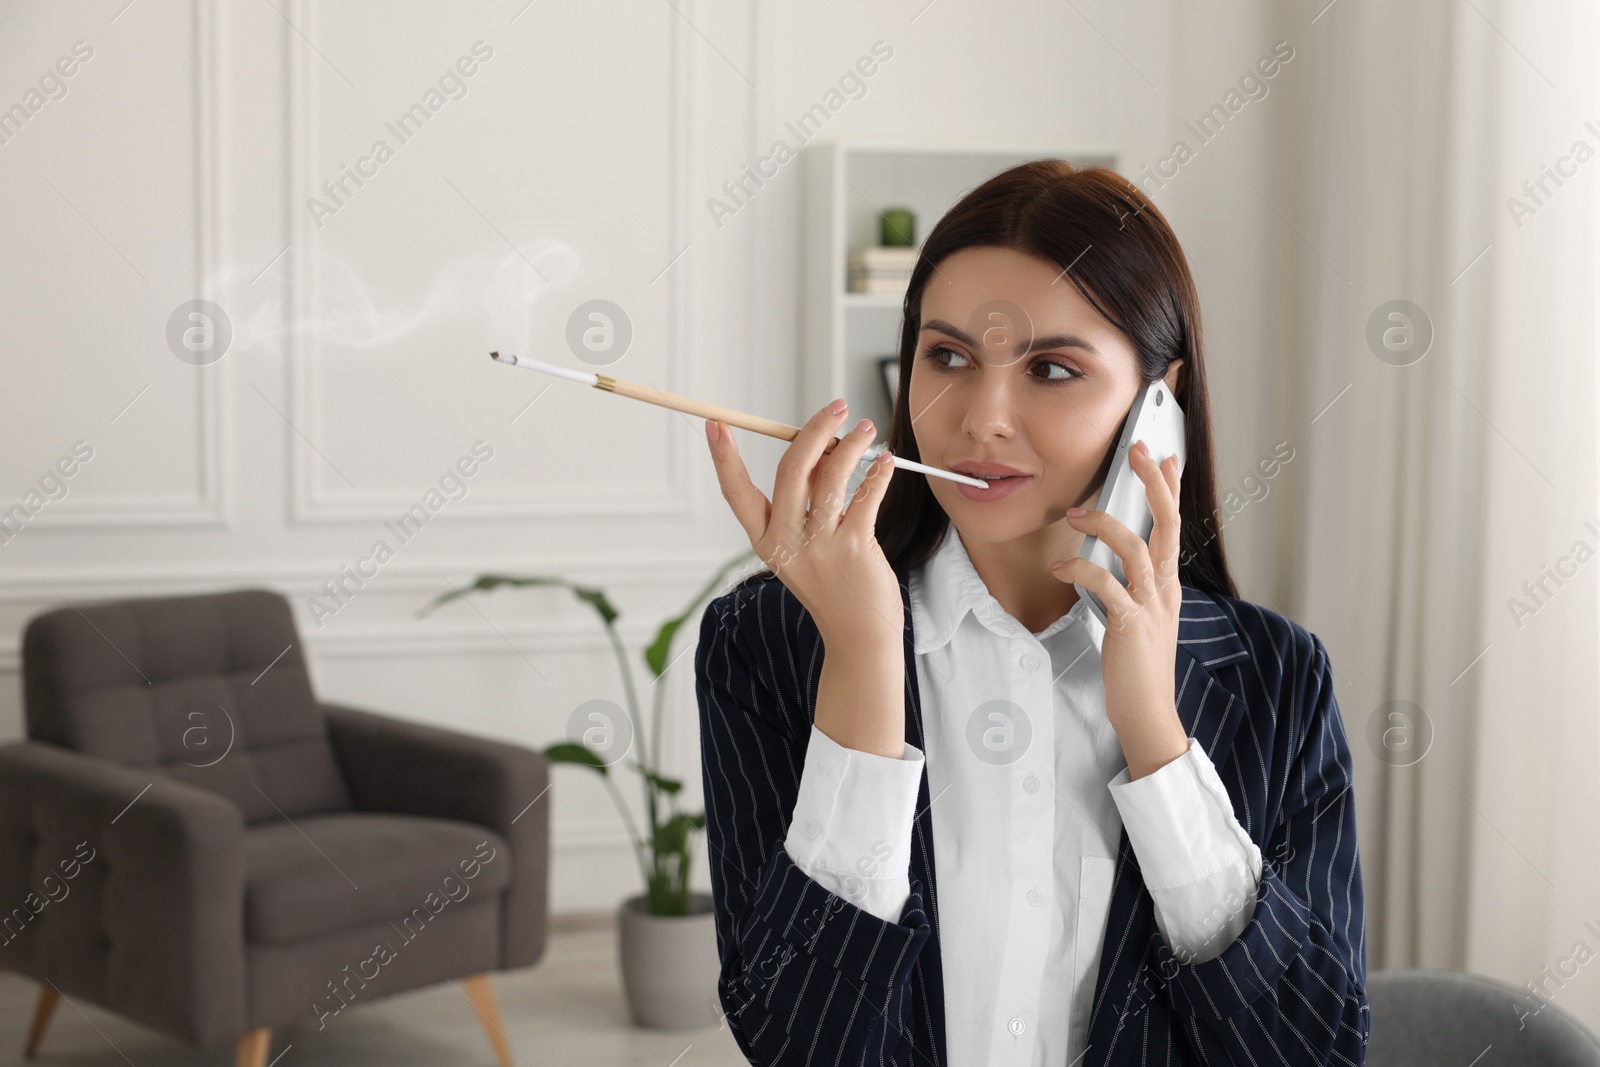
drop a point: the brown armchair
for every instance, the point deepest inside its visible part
(190, 839)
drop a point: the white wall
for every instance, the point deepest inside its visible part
(178, 165)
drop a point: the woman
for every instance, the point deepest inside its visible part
(1144, 829)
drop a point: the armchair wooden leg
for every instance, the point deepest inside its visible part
(252, 1048)
(43, 1010)
(481, 994)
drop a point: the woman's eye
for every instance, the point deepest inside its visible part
(935, 353)
(1066, 375)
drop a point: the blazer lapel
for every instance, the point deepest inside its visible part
(928, 974)
(1211, 711)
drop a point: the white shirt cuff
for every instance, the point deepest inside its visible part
(1201, 868)
(851, 830)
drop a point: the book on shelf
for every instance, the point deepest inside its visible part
(877, 269)
(879, 257)
(859, 284)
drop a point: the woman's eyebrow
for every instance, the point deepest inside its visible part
(1059, 340)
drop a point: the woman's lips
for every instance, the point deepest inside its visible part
(999, 488)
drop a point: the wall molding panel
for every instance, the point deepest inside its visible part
(209, 505)
(617, 497)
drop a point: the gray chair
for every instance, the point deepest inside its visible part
(189, 838)
(1424, 1018)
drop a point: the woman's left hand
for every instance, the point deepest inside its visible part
(1139, 653)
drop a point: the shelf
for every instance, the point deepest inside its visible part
(874, 300)
(846, 334)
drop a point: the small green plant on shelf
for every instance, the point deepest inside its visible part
(663, 853)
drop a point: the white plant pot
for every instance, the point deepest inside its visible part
(669, 963)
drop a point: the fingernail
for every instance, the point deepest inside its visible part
(1143, 448)
(1075, 512)
(1058, 564)
(712, 433)
(864, 424)
(885, 457)
(838, 407)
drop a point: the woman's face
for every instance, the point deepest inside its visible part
(1013, 366)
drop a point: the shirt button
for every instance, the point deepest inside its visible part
(1035, 898)
(1030, 784)
(1029, 661)
(1016, 1024)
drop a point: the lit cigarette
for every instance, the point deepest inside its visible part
(716, 413)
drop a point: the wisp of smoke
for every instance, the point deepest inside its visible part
(353, 314)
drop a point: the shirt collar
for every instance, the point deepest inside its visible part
(945, 588)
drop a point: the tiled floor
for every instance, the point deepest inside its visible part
(568, 1010)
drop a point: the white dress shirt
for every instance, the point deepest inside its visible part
(1029, 793)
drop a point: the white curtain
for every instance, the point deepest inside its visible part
(1437, 487)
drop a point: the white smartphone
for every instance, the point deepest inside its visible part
(1157, 420)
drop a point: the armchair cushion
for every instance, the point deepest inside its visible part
(324, 873)
(210, 689)
(407, 768)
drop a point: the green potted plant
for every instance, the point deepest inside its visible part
(666, 936)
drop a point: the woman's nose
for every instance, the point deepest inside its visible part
(991, 403)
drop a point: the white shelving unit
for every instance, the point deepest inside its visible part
(846, 185)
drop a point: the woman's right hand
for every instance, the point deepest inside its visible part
(827, 555)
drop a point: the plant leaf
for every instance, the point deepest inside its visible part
(666, 785)
(570, 752)
(595, 598)
(674, 833)
(484, 583)
(655, 657)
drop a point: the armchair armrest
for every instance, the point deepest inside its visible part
(148, 919)
(390, 765)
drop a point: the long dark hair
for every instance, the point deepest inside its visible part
(1117, 248)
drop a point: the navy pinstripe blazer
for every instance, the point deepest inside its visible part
(809, 978)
